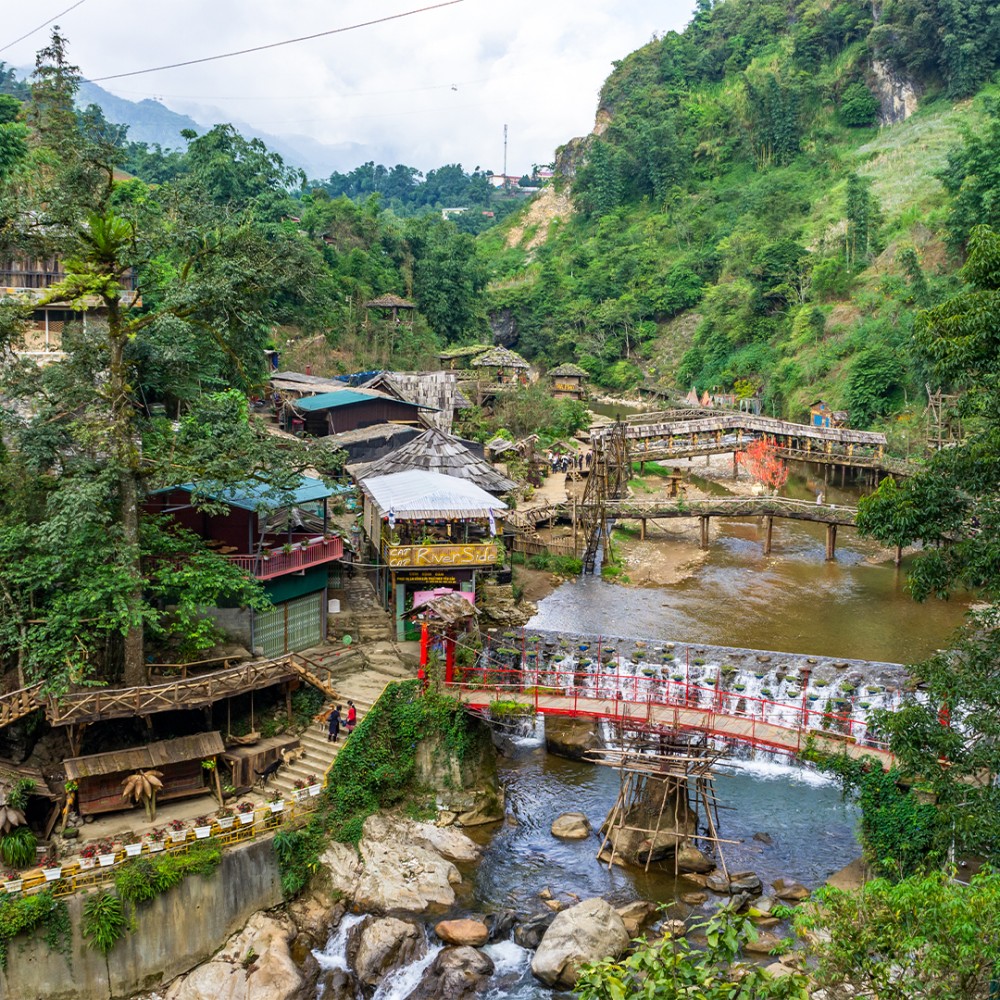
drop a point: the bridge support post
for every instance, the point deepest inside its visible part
(736, 467)
(831, 542)
(704, 532)
(642, 529)
(898, 558)
(768, 532)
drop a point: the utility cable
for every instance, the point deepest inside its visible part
(275, 45)
(42, 25)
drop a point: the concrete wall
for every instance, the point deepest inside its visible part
(174, 933)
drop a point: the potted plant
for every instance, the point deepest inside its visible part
(225, 817)
(155, 839)
(50, 868)
(105, 854)
(246, 813)
(315, 786)
(202, 828)
(13, 882)
(133, 845)
(178, 831)
(277, 803)
(88, 857)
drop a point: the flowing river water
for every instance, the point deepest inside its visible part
(791, 601)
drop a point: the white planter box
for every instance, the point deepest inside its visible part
(133, 850)
(314, 790)
(277, 807)
(87, 863)
(105, 860)
(13, 886)
(51, 874)
(301, 794)
(202, 832)
(155, 846)
(246, 819)
(225, 822)
(178, 836)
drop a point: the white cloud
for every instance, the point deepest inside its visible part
(429, 89)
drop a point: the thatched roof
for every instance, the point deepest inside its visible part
(152, 755)
(569, 370)
(436, 451)
(499, 357)
(389, 301)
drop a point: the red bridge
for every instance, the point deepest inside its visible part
(641, 702)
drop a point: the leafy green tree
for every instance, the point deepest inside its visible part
(671, 968)
(858, 106)
(876, 376)
(926, 936)
(972, 178)
(864, 217)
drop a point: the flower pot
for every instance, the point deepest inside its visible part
(133, 850)
(87, 863)
(226, 822)
(301, 794)
(202, 832)
(155, 846)
(14, 885)
(277, 807)
(105, 860)
(178, 836)
(246, 819)
(51, 874)
(314, 790)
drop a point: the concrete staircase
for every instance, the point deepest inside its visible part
(362, 615)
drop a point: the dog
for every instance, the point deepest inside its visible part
(290, 756)
(269, 772)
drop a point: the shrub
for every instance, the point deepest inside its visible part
(858, 106)
(104, 921)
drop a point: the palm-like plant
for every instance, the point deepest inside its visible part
(10, 818)
(142, 787)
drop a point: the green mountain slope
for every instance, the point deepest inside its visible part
(765, 203)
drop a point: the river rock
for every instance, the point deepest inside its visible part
(383, 945)
(455, 973)
(587, 932)
(271, 975)
(462, 932)
(401, 875)
(343, 866)
(694, 898)
(502, 924)
(337, 984)
(572, 737)
(691, 861)
(764, 838)
(571, 826)
(791, 892)
(764, 945)
(635, 916)
(529, 933)
(777, 970)
(453, 845)
(745, 882)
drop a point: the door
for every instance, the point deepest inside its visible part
(291, 625)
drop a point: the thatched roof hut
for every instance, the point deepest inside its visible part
(500, 357)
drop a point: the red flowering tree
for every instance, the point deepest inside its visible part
(761, 460)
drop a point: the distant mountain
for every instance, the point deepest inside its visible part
(153, 122)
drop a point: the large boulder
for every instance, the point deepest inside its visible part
(789, 891)
(691, 861)
(571, 826)
(383, 945)
(653, 826)
(456, 973)
(271, 975)
(463, 932)
(587, 932)
(571, 737)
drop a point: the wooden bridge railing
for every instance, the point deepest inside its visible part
(799, 510)
(193, 692)
(17, 704)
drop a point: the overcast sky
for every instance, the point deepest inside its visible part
(433, 88)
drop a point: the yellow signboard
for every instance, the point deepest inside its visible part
(403, 556)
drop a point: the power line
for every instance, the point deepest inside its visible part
(275, 45)
(42, 25)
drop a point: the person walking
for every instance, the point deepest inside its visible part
(352, 718)
(334, 730)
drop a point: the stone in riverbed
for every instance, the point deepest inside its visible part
(764, 838)
(635, 916)
(694, 898)
(764, 945)
(587, 932)
(456, 973)
(789, 891)
(384, 945)
(529, 933)
(462, 932)
(571, 826)
(738, 882)
(692, 861)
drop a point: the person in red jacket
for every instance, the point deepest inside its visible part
(352, 718)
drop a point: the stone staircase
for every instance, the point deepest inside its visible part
(362, 615)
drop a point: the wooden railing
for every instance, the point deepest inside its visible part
(193, 692)
(17, 704)
(270, 563)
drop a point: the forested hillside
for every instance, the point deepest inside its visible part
(766, 201)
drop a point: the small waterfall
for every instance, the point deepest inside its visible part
(508, 958)
(334, 955)
(400, 983)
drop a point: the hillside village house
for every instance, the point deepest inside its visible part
(284, 541)
(346, 410)
(568, 381)
(821, 414)
(428, 532)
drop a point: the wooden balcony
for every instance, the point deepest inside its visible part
(300, 555)
(419, 556)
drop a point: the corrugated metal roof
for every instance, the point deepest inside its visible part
(152, 755)
(345, 397)
(417, 494)
(260, 496)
